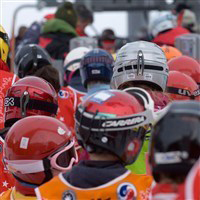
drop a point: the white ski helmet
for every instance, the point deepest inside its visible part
(73, 58)
(141, 62)
(162, 23)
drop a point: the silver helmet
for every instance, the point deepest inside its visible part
(142, 62)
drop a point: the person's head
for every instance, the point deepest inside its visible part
(180, 7)
(22, 31)
(29, 96)
(171, 52)
(186, 65)
(96, 66)
(72, 64)
(180, 86)
(108, 40)
(67, 13)
(162, 24)
(48, 73)
(30, 58)
(37, 148)
(73, 58)
(4, 45)
(188, 20)
(85, 16)
(140, 64)
(175, 142)
(111, 124)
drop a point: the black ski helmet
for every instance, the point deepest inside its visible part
(30, 57)
(175, 140)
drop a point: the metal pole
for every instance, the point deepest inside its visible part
(13, 31)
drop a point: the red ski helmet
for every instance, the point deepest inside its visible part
(113, 121)
(186, 65)
(29, 96)
(182, 87)
(37, 144)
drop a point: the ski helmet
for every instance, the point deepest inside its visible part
(96, 65)
(175, 140)
(30, 58)
(113, 121)
(140, 62)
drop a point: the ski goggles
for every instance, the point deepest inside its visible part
(63, 160)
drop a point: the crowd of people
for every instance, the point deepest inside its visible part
(113, 122)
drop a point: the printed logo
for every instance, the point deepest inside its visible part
(197, 93)
(68, 195)
(131, 76)
(9, 101)
(148, 76)
(61, 131)
(126, 191)
(126, 122)
(63, 94)
(184, 92)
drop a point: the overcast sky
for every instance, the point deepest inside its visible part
(115, 20)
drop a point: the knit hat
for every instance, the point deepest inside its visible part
(67, 13)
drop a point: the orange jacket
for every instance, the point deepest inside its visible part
(127, 186)
(6, 81)
(68, 100)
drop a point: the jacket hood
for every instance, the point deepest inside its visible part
(58, 25)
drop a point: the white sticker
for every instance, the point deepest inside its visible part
(24, 143)
(69, 133)
(96, 71)
(103, 96)
(148, 76)
(61, 131)
(131, 146)
(131, 76)
(170, 157)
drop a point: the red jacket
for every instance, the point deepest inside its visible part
(6, 81)
(68, 100)
(190, 190)
(6, 179)
(168, 37)
(164, 192)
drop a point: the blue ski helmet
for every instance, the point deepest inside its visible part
(96, 65)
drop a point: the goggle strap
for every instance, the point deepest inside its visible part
(180, 91)
(113, 124)
(32, 104)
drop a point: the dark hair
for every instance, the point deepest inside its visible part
(50, 74)
(84, 13)
(108, 34)
(182, 6)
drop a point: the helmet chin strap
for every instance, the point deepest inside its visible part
(27, 188)
(24, 183)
